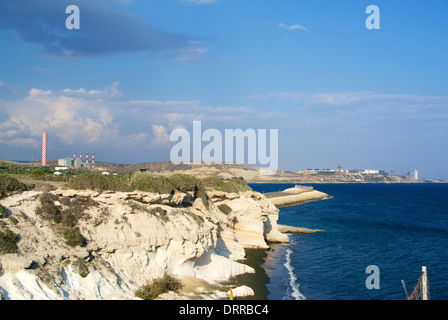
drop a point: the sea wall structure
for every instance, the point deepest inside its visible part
(131, 238)
(294, 196)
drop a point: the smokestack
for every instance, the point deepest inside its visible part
(93, 159)
(74, 156)
(80, 157)
(87, 157)
(44, 148)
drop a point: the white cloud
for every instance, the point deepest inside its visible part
(108, 92)
(97, 117)
(357, 109)
(70, 118)
(199, 1)
(161, 135)
(350, 98)
(292, 27)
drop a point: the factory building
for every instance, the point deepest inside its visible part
(77, 162)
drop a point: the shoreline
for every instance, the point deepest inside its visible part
(267, 281)
(257, 281)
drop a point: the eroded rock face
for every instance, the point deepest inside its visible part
(132, 237)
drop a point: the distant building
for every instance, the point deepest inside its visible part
(73, 163)
(77, 163)
(371, 171)
(415, 174)
(392, 173)
(65, 162)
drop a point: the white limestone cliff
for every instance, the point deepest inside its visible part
(132, 237)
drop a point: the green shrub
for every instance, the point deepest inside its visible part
(68, 218)
(152, 290)
(224, 208)
(240, 184)
(98, 181)
(212, 182)
(48, 209)
(8, 242)
(9, 183)
(201, 194)
(233, 186)
(40, 173)
(184, 182)
(147, 182)
(2, 212)
(73, 237)
(83, 268)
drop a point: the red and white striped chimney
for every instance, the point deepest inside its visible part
(93, 159)
(74, 156)
(80, 157)
(44, 148)
(87, 157)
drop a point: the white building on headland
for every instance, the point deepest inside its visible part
(415, 174)
(371, 171)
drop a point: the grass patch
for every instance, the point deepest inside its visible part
(153, 289)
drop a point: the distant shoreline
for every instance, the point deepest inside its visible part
(248, 173)
(343, 182)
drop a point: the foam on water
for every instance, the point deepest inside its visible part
(295, 292)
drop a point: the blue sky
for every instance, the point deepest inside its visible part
(136, 70)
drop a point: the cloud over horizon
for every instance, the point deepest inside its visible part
(101, 117)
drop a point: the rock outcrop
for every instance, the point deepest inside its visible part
(131, 238)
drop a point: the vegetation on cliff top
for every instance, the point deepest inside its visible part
(98, 181)
(159, 184)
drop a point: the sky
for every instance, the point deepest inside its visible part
(136, 70)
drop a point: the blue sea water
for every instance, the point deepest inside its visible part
(397, 227)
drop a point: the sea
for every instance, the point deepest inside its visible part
(396, 228)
